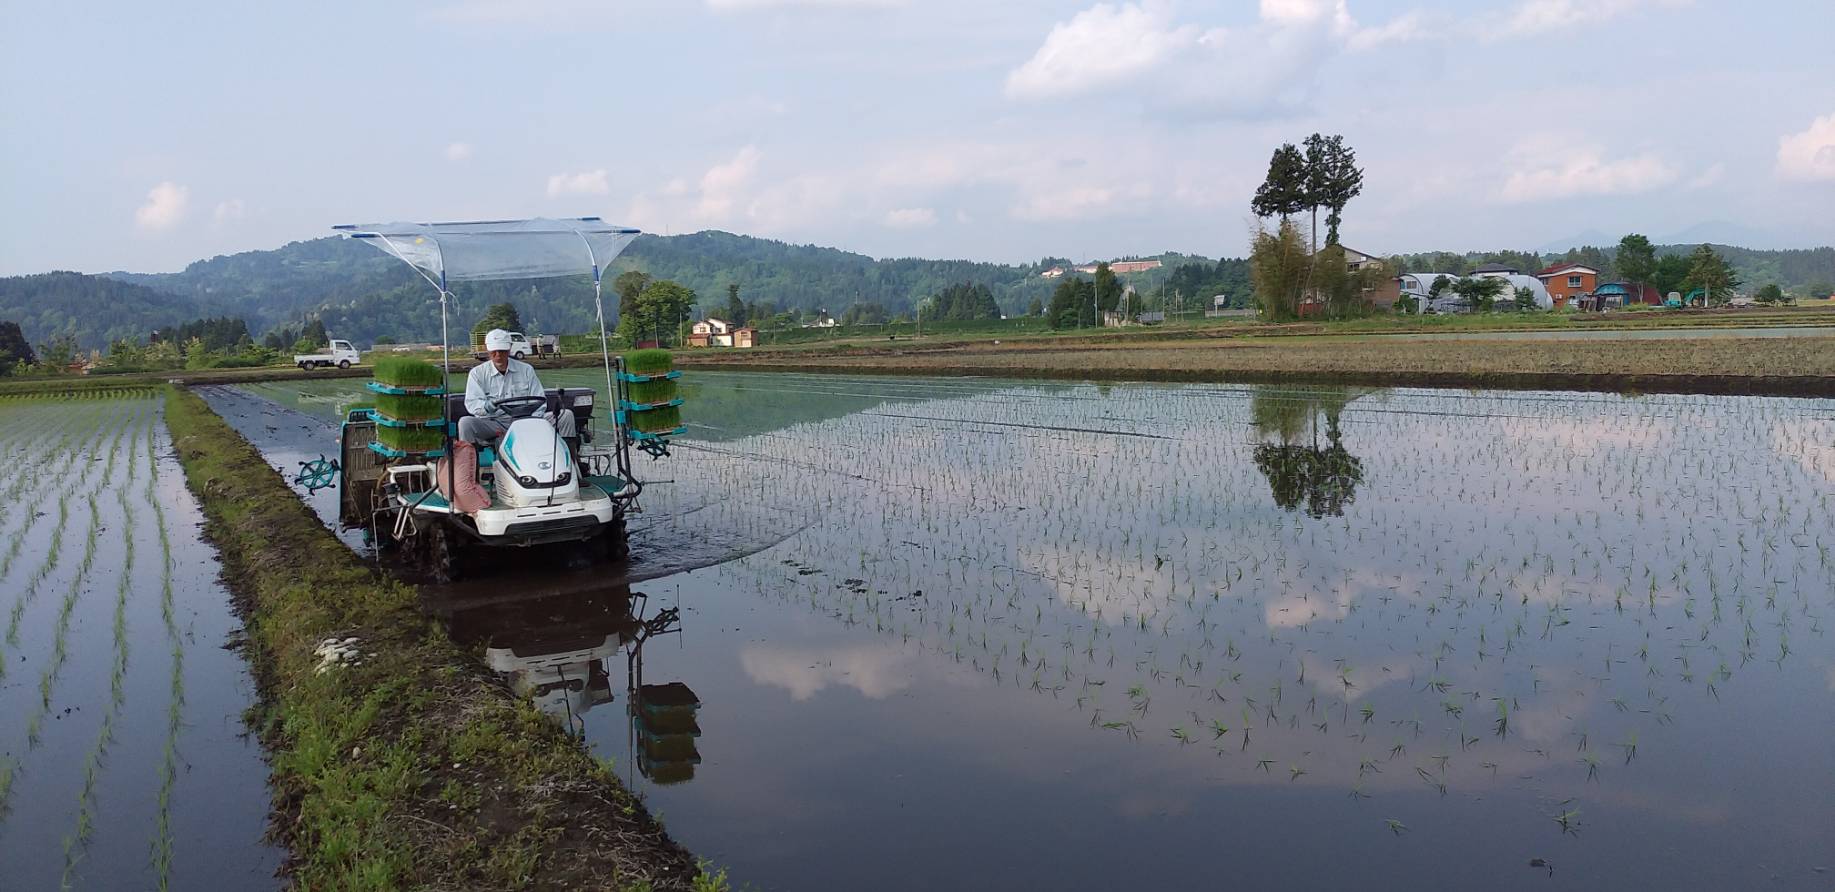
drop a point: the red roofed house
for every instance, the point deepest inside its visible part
(1568, 282)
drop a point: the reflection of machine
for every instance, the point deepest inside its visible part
(664, 727)
(556, 650)
(565, 677)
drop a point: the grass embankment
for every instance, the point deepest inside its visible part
(1771, 366)
(410, 767)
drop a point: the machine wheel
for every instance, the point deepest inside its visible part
(611, 543)
(519, 354)
(344, 363)
(304, 366)
(442, 562)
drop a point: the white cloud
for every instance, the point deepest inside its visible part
(723, 185)
(458, 151)
(227, 210)
(1406, 27)
(591, 182)
(1308, 12)
(1099, 46)
(165, 207)
(738, 5)
(1077, 202)
(1539, 16)
(1710, 176)
(911, 218)
(1550, 172)
(1809, 155)
(1252, 70)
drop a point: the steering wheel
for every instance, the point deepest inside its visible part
(521, 406)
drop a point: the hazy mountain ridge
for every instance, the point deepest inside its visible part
(362, 294)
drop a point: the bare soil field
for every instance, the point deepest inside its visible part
(1782, 366)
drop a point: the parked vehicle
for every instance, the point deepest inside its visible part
(521, 345)
(340, 354)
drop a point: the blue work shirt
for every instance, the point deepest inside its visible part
(485, 384)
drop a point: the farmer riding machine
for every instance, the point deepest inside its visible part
(415, 490)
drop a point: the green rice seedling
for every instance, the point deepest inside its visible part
(410, 406)
(411, 439)
(1396, 827)
(657, 421)
(1569, 819)
(647, 392)
(405, 371)
(649, 362)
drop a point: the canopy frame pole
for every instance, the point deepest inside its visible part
(605, 354)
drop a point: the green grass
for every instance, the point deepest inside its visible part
(648, 362)
(409, 407)
(362, 754)
(646, 392)
(657, 421)
(411, 439)
(406, 371)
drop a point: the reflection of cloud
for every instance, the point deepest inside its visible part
(875, 671)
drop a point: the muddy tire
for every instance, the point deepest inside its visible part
(611, 544)
(440, 560)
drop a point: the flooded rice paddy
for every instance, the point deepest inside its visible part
(123, 763)
(989, 634)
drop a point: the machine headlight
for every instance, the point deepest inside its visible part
(527, 481)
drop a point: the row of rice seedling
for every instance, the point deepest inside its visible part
(78, 838)
(92, 464)
(160, 854)
(46, 474)
(83, 462)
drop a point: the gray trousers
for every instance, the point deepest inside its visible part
(482, 432)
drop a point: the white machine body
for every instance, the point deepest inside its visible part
(533, 466)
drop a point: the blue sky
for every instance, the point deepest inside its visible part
(145, 136)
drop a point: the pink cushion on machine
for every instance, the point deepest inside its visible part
(467, 494)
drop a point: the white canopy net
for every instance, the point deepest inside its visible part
(499, 249)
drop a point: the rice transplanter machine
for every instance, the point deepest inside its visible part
(396, 474)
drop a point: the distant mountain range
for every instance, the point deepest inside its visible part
(1714, 232)
(363, 294)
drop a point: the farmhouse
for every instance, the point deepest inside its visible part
(711, 332)
(1568, 282)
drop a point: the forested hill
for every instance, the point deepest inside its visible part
(361, 293)
(93, 308)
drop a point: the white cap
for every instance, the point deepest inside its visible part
(497, 339)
